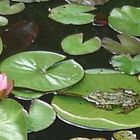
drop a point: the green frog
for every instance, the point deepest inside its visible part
(124, 135)
(126, 99)
(87, 2)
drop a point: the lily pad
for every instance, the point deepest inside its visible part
(6, 9)
(72, 14)
(41, 116)
(30, 1)
(42, 71)
(26, 94)
(74, 44)
(12, 121)
(77, 111)
(127, 45)
(126, 64)
(1, 45)
(3, 21)
(126, 20)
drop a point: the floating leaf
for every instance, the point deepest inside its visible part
(3, 21)
(127, 45)
(72, 14)
(12, 121)
(126, 20)
(82, 113)
(30, 1)
(42, 71)
(1, 45)
(88, 2)
(127, 64)
(74, 45)
(26, 94)
(41, 116)
(6, 9)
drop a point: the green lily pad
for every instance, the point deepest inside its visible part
(6, 9)
(74, 45)
(26, 94)
(126, 64)
(77, 111)
(12, 120)
(72, 14)
(127, 45)
(30, 1)
(3, 21)
(41, 116)
(42, 71)
(126, 20)
(1, 45)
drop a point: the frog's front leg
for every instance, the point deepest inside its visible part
(104, 106)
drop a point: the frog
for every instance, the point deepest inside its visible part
(127, 100)
(87, 2)
(124, 135)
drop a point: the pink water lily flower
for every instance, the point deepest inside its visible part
(6, 86)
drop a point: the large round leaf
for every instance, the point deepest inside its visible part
(3, 21)
(78, 111)
(72, 14)
(6, 9)
(74, 44)
(41, 116)
(12, 121)
(42, 71)
(126, 20)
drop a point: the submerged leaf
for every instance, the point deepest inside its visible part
(128, 45)
(126, 20)
(30, 1)
(79, 112)
(42, 71)
(41, 116)
(72, 14)
(74, 44)
(3, 21)
(6, 9)
(126, 64)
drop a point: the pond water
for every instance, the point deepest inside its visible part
(48, 35)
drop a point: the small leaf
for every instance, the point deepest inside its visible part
(42, 71)
(74, 44)
(72, 14)
(1, 45)
(12, 120)
(127, 45)
(126, 20)
(41, 116)
(3, 21)
(6, 9)
(127, 64)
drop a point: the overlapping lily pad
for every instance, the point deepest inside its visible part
(3, 21)
(126, 20)
(72, 14)
(127, 45)
(6, 9)
(42, 71)
(30, 1)
(75, 110)
(41, 116)
(1, 45)
(126, 64)
(75, 45)
(12, 121)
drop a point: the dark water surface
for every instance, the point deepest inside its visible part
(49, 38)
